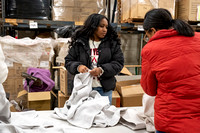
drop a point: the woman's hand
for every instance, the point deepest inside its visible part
(96, 71)
(82, 69)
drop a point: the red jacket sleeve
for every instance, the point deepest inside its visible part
(148, 78)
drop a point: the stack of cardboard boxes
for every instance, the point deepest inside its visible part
(137, 9)
(63, 93)
(14, 82)
(183, 9)
(21, 54)
(76, 10)
(188, 10)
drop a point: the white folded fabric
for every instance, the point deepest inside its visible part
(86, 107)
(140, 119)
(131, 120)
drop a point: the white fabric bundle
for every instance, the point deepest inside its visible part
(86, 107)
(31, 122)
(4, 103)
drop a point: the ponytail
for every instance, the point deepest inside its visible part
(161, 18)
(182, 28)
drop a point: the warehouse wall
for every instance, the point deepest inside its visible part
(131, 47)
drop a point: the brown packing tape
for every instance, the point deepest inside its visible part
(53, 94)
(58, 67)
(11, 21)
(115, 99)
(21, 93)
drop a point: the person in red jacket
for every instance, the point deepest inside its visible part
(171, 72)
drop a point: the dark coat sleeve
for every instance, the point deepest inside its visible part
(117, 62)
(71, 60)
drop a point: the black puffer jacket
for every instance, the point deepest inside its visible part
(111, 60)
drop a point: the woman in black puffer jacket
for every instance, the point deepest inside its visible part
(96, 46)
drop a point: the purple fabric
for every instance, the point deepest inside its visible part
(40, 70)
(44, 76)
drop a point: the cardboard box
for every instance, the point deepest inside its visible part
(86, 4)
(9, 86)
(37, 100)
(62, 13)
(75, 3)
(131, 93)
(138, 9)
(75, 10)
(14, 81)
(126, 71)
(115, 99)
(187, 9)
(169, 5)
(125, 77)
(61, 99)
(63, 79)
(63, 2)
(77, 14)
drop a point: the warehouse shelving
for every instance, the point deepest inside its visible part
(9, 25)
(25, 24)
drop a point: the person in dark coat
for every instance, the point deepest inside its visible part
(95, 48)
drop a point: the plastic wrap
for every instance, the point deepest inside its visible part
(66, 31)
(77, 10)
(63, 45)
(138, 8)
(29, 52)
(28, 9)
